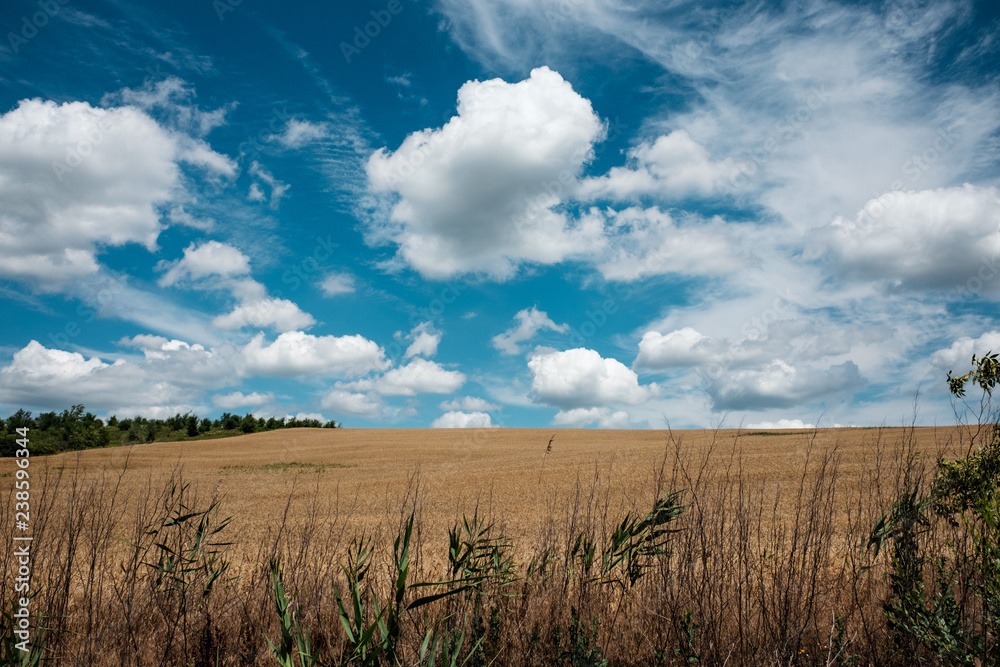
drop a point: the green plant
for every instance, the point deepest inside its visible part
(373, 627)
(688, 631)
(584, 650)
(476, 556)
(633, 546)
(837, 654)
(986, 374)
(965, 493)
(964, 484)
(186, 551)
(445, 649)
(10, 652)
(182, 551)
(355, 616)
(292, 635)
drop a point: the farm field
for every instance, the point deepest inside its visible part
(766, 564)
(363, 475)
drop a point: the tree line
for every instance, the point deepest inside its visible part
(76, 429)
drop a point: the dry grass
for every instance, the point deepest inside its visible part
(769, 556)
(508, 472)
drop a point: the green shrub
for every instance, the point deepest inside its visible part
(925, 580)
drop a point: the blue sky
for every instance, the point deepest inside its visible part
(499, 213)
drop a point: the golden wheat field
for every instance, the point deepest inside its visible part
(522, 478)
(767, 563)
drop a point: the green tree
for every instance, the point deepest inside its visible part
(48, 421)
(229, 421)
(79, 429)
(986, 374)
(20, 419)
(248, 424)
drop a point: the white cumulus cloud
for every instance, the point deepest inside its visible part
(185, 364)
(172, 377)
(529, 322)
(650, 242)
(457, 419)
(581, 378)
(210, 258)
(337, 283)
(419, 376)
(469, 403)
(928, 239)
(780, 384)
(238, 399)
(351, 403)
(425, 341)
(75, 179)
(958, 356)
(297, 353)
(605, 418)
(673, 166)
(780, 424)
(215, 265)
(477, 194)
(280, 314)
(678, 348)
